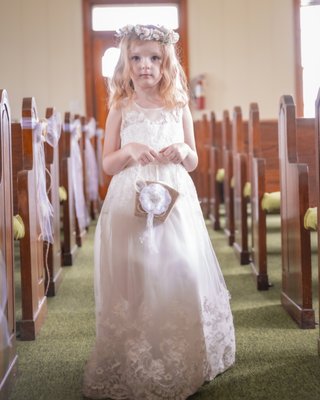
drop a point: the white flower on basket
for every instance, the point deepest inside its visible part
(155, 198)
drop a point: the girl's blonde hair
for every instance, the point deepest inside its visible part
(172, 86)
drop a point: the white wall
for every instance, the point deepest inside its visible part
(41, 54)
(246, 50)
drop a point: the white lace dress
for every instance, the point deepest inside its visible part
(163, 319)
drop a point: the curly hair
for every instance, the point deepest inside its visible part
(173, 86)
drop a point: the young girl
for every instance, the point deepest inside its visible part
(163, 319)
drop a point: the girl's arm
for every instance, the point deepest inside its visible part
(115, 158)
(190, 162)
(186, 152)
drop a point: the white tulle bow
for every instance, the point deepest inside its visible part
(92, 174)
(47, 130)
(77, 176)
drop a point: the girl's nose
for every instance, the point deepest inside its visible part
(145, 63)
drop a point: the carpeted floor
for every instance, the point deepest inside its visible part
(275, 359)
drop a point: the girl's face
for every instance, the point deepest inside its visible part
(145, 58)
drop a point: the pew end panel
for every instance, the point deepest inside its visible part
(241, 175)
(264, 163)
(8, 351)
(25, 172)
(297, 177)
(52, 251)
(216, 188)
(317, 122)
(68, 223)
(228, 188)
(201, 175)
(81, 231)
(259, 225)
(216, 165)
(240, 244)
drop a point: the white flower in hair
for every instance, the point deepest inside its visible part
(149, 32)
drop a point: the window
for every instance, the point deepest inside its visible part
(111, 18)
(310, 56)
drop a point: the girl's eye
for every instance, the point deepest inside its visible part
(135, 58)
(155, 58)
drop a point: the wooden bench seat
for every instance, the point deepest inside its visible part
(297, 143)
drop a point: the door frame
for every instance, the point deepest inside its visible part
(89, 37)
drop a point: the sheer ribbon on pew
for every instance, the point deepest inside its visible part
(49, 131)
(77, 176)
(92, 174)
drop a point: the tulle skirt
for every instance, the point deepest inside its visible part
(163, 319)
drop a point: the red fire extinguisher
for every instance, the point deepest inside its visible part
(199, 95)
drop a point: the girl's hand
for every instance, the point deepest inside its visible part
(142, 154)
(174, 153)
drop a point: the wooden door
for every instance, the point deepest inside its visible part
(100, 43)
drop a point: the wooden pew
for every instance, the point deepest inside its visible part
(103, 179)
(201, 175)
(8, 353)
(264, 161)
(79, 179)
(83, 145)
(91, 172)
(68, 243)
(317, 117)
(228, 177)
(34, 301)
(242, 175)
(297, 155)
(52, 251)
(216, 167)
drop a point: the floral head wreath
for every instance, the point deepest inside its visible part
(149, 32)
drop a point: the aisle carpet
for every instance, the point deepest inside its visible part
(275, 359)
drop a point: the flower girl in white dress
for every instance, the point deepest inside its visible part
(163, 319)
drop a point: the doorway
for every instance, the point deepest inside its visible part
(96, 42)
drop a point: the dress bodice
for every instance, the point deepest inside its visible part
(155, 127)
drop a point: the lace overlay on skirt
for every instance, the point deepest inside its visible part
(163, 321)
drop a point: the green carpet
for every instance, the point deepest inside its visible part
(275, 359)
